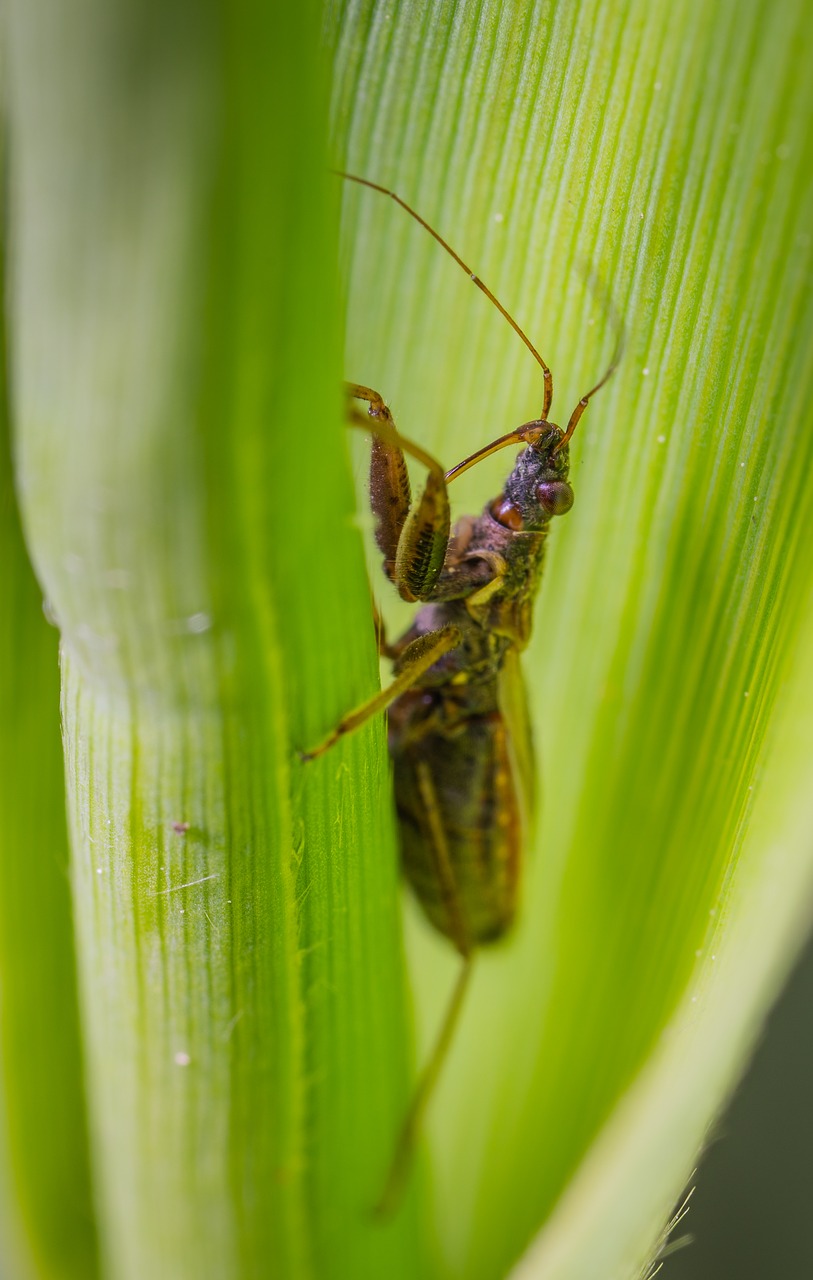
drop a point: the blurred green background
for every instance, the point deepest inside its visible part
(750, 1212)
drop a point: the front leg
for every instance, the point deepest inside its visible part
(415, 660)
(412, 539)
(386, 648)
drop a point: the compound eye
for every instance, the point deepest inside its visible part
(555, 496)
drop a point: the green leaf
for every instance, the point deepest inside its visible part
(183, 473)
(46, 1201)
(667, 148)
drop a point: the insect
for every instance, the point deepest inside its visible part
(459, 732)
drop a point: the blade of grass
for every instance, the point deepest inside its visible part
(189, 510)
(297, 506)
(762, 921)
(46, 1175)
(668, 147)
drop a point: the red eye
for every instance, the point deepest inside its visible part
(555, 496)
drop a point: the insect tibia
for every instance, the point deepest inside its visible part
(405, 1146)
(389, 496)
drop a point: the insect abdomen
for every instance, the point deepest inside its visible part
(460, 832)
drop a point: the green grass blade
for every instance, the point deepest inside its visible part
(668, 148)
(700, 1056)
(46, 1174)
(189, 509)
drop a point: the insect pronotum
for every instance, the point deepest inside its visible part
(459, 733)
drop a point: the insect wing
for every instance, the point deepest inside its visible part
(513, 701)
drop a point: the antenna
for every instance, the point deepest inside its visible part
(546, 373)
(617, 323)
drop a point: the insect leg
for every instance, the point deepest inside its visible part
(383, 426)
(405, 1146)
(385, 647)
(412, 541)
(416, 659)
(439, 847)
(390, 496)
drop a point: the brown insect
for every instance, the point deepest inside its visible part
(459, 732)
